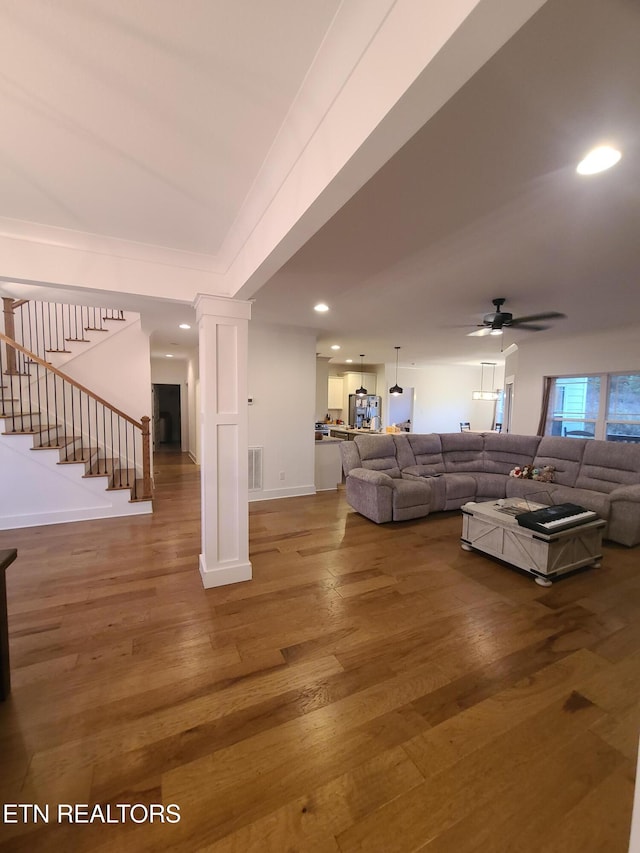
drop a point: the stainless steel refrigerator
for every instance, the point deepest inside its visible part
(365, 411)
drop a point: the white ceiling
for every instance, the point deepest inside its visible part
(153, 127)
(485, 202)
(169, 106)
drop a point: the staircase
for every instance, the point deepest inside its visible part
(87, 449)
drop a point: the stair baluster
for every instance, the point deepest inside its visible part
(81, 424)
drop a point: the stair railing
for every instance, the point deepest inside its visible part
(48, 327)
(37, 398)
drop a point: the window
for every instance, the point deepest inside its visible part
(605, 406)
(623, 408)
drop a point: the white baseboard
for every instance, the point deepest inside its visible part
(274, 494)
(14, 522)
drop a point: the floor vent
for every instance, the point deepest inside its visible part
(255, 469)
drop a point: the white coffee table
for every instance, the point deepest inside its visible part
(490, 527)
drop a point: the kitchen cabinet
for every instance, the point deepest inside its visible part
(352, 381)
(350, 384)
(336, 392)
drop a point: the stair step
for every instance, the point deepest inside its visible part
(20, 415)
(56, 442)
(58, 350)
(78, 340)
(79, 454)
(94, 329)
(100, 468)
(35, 430)
(122, 478)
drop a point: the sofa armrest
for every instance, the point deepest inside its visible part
(626, 493)
(350, 456)
(376, 478)
(371, 494)
(624, 516)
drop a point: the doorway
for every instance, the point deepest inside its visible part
(167, 423)
(401, 409)
(508, 403)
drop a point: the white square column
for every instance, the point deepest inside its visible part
(223, 331)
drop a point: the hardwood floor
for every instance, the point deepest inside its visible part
(373, 688)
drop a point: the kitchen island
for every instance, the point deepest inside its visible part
(328, 464)
(346, 433)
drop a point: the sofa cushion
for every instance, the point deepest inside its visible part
(427, 451)
(490, 486)
(404, 453)
(609, 464)
(565, 456)
(378, 453)
(541, 493)
(595, 501)
(457, 488)
(503, 452)
(410, 495)
(462, 452)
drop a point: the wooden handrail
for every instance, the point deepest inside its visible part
(33, 357)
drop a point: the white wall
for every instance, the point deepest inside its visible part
(193, 400)
(600, 352)
(442, 397)
(282, 369)
(118, 369)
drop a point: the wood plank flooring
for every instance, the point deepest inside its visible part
(374, 688)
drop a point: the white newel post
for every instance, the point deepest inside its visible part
(222, 333)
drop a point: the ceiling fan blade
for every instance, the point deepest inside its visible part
(479, 333)
(548, 315)
(531, 327)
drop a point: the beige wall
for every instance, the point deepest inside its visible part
(600, 352)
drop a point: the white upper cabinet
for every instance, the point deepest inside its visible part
(336, 392)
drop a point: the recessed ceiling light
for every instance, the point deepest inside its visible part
(349, 361)
(321, 307)
(597, 160)
(185, 326)
(335, 346)
(168, 355)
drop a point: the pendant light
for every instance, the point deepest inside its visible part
(361, 391)
(490, 396)
(396, 390)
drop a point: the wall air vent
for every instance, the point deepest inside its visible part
(255, 469)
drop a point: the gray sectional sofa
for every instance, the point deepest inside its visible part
(406, 476)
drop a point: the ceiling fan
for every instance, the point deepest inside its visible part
(493, 324)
